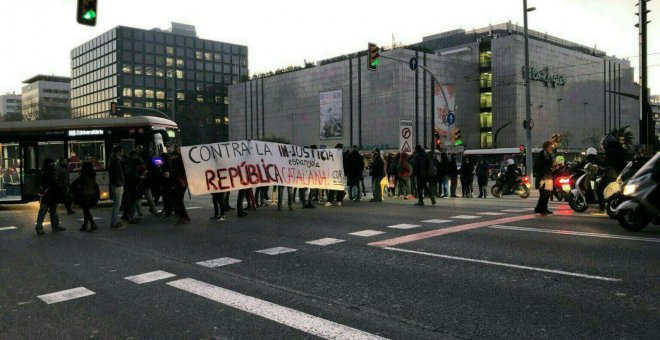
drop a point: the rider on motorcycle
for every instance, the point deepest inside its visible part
(511, 174)
(615, 161)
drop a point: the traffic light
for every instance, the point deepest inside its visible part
(457, 137)
(522, 150)
(373, 55)
(437, 140)
(87, 12)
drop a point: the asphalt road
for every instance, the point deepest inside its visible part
(465, 268)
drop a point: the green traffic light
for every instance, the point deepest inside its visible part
(459, 142)
(374, 63)
(89, 15)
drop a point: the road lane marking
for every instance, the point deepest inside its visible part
(509, 265)
(404, 226)
(491, 213)
(465, 217)
(191, 208)
(577, 233)
(223, 261)
(65, 295)
(437, 221)
(276, 250)
(8, 228)
(433, 233)
(283, 315)
(367, 233)
(325, 241)
(149, 277)
(515, 210)
(95, 219)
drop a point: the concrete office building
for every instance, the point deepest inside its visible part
(570, 86)
(46, 97)
(144, 69)
(10, 107)
(368, 105)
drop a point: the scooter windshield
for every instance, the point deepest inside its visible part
(648, 167)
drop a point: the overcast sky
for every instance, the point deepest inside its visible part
(37, 35)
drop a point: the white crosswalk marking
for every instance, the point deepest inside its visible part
(290, 317)
(491, 213)
(95, 219)
(8, 228)
(367, 233)
(191, 208)
(223, 261)
(465, 217)
(276, 250)
(404, 226)
(516, 210)
(65, 295)
(149, 277)
(437, 221)
(325, 241)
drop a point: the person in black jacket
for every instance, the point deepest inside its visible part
(377, 174)
(86, 194)
(483, 169)
(51, 192)
(443, 174)
(116, 173)
(543, 176)
(452, 172)
(421, 165)
(615, 160)
(467, 177)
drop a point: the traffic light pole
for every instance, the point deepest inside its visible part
(528, 111)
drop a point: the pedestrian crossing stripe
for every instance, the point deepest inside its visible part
(223, 261)
(276, 250)
(325, 241)
(404, 226)
(465, 217)
(367, 233)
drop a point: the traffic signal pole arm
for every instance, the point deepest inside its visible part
(444, 96)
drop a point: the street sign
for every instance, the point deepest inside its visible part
(451, 118)
(413, 63)
(531, 124)
(405, 135)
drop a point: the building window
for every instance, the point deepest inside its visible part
(149, 70)
(486, 80)
(217, 57)
(149, 94)
(128, 103)
(485, 59)
(486, 120)
(138, 69)
(170, 73)
(160, 105)
(169, 50)
(160, 94)
(179, 63)
(139, 93)
(127, 69)
(179, 74)
(226, 120)
(486, 140)
(198, 55)
(169, 62)
(149, 105)
(127, 92)
(486, 100)
(159, 72)
(208, 56)
(218, 121)
(200, 98)
(180, 96)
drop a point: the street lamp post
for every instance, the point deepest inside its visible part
(528, 111)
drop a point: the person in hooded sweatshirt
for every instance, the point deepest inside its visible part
(86, 194)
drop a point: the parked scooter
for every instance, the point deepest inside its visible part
(520, 187)
(614, 191)
(584, 192)
(641, 191)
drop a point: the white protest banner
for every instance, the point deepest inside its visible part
(235, 165)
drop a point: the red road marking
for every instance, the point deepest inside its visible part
(433, 233)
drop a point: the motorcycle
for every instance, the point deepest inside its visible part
(520, 187)
(614, 191)
(563, 183)
(584, 192)
(641, 208)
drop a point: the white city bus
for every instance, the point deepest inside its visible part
(24, 145)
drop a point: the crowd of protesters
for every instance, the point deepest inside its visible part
(137, 176)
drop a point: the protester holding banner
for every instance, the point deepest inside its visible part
(355, 169)
(289, 198)
(218, 206)
(337, 196)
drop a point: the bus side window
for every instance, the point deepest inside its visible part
(92, 151)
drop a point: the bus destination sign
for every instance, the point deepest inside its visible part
(79, 133)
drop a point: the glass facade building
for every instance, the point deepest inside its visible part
(146, 70)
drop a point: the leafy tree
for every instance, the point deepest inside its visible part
(623, 133)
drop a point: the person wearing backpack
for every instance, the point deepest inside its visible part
(421, 164)
(86, 194)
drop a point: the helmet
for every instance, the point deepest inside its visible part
(607, 140)
(510, 162)
(591, 151)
